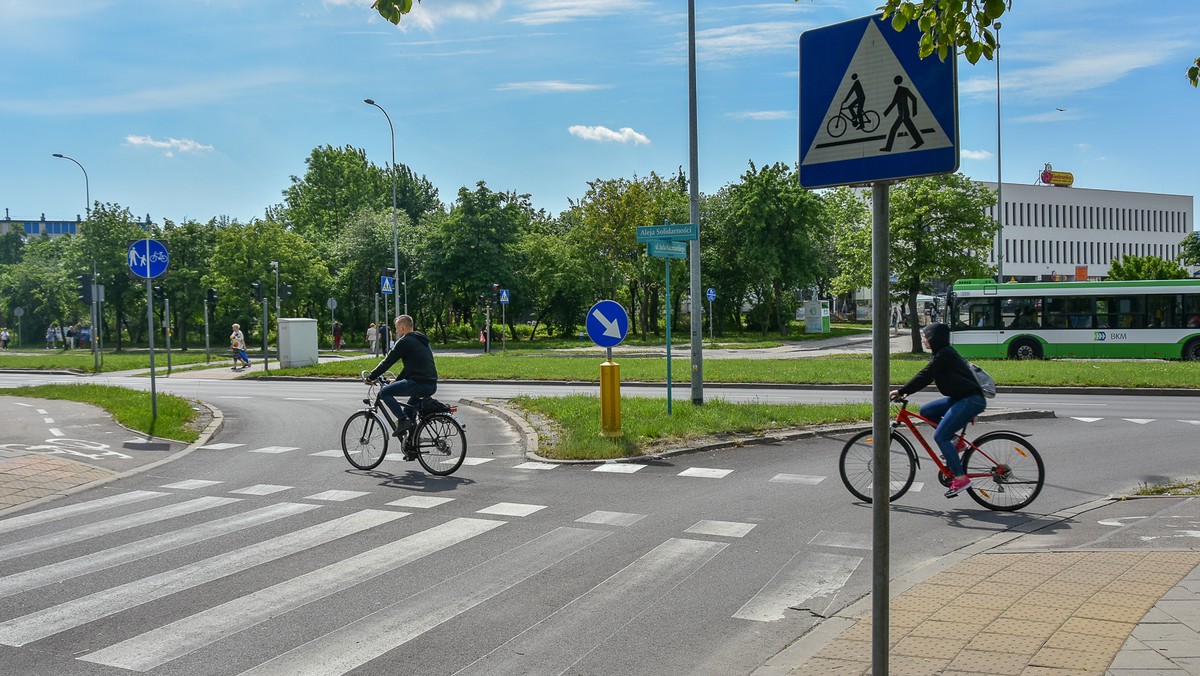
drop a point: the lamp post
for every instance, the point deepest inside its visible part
(87, 213)
(999, 176)
(395, 230)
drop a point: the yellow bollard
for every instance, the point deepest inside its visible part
(610, 399)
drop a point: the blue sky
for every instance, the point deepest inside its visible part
(202, 108)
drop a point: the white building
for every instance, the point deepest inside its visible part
(1076, 232)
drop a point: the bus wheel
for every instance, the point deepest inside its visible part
(1025, 349)
(1191, 351)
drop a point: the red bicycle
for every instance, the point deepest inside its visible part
(1006, 471)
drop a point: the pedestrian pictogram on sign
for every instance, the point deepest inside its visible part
(504, 296)
(871, 109)
(147, 258)
(385, 284)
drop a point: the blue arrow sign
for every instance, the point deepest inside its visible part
(711, 294)
(147, 258)
(385, 284)
(504, 296)
(871, 109)
(607, 323)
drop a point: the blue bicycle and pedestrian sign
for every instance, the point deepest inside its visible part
(711, 294)
(147, 258)
(607, 323)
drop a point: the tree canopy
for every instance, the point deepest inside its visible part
(1145, 267)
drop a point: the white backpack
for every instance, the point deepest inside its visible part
(986, 383)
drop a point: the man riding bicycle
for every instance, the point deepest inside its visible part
(417, 379)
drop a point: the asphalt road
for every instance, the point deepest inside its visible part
(267, 554)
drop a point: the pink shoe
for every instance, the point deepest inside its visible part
(958, 485)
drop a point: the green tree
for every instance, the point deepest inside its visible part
(1145, 267)
(939, 230)
(11, 244)
(39, 285)
(337, 183)
(1189, 249)
(103, 243)
(191, 245)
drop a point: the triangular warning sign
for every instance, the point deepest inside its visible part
(877, 111)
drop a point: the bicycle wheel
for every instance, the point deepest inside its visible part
(870, 121)
(1006, 470)
(441, 444)
(857, 465)
(836, 126)
(364, 440)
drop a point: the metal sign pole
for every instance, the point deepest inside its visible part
(266, 356)
(207, 356)
(881, 428)
(668, 303)
(150, 325)
(167, 327)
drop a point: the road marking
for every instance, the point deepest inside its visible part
(331, 453)
(1140, 421)
(43, 411)
(58, 538)
(134, 551)
(557, 643)
(361, 641)
(806, 479)
(511, 509)
(611, 518)
(476, 461)
(261, 489)
(729, 529)
(1191, 422)
(156, 647)
(705, 472)
(536, 465)
(38, 518)
(18, 403)
(232, 396)
(828, 538)
(275, 449)
(300, 399)
(1086, 420)
(619, 467)
(64, 616)
(419, 502)
(56, 432)
(48, 421)
(802, 578)
(337, 496)
(220, 447)
(192, 484)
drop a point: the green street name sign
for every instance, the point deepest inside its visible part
(677, 232)
(666, 249)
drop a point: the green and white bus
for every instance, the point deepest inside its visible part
(1152, 319)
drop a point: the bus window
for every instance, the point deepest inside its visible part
(976, 313)
(1123, 312)
(1069, 312)
(1191, 311)
(1164, 312)
(1019, 313)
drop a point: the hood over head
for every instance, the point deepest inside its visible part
(938, 336)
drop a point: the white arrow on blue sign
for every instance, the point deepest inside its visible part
(711, 294)
(147, 258)
(607, 323)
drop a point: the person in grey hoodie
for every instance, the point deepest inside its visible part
(417, 379)
(963, 398)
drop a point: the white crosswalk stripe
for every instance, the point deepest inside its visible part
(89, 507)
(806, 576)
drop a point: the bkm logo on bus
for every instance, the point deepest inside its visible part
(1101, 336)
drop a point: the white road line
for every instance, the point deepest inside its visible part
(476, 461)
(192, 484)
(1139, 421)
(275, 449)
(133, 551)
(804, 577)
(729, 529)
(619, 467)
(331, 453)
(46, 516)
(43, 411)
(56, 432)
(419, 502)
(511, 509)
(50, 621)
(361, 641)
(48, 421)
(1191, 422)
(65, 537)
(611, 518)
(535, 465)
(556, 643)
(806, 479)
(260, 489)
(18, 403)
(828, 538)
(1086, 420)
(156, 647)
(337, 496)
(220, 447)
(705, 472)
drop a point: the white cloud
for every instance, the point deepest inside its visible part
(604, 134)
(1049, 116)
(170, 146)
(541, 12)
(429, 14)
(550, 86)
(752, 38)
(762, 115)
(975, 154)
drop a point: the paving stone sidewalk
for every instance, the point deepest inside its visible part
(26, 478)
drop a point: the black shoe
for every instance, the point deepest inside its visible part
(402, 426)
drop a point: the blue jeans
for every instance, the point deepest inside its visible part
(405, 388)
(951, 416)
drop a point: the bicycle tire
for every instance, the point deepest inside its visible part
(365, 440)
(836, 126)
(1013, 476)
(857, 463)
(870, 121)
(441, 444)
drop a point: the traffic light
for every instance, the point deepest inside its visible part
(256, 287)
(159, 293)
(212, 298)
(495, 292)
(286, 292)
(85, 289)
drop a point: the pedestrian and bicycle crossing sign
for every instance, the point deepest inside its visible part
(385, 284)
(871, 109)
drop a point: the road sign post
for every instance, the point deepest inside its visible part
(666, 241)
(503, 317)
(873, 111)
(711, 295)
(607, 323)
(147, 259)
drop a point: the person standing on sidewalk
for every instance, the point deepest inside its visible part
(373, 339)
(963, 398)
(337, 335)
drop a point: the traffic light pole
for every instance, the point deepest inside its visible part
(167, 327)
(206, 350)
(266, 357)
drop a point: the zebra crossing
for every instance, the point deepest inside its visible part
(94, 587)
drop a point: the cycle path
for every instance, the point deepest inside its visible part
(1111, 587)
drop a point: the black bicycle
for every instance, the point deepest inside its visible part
(436, 438)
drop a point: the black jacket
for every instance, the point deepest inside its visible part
(946, 368)
(413, 350)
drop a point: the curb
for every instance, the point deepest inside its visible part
(209, 431)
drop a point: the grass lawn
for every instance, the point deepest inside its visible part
(131, 408)
(82, 360)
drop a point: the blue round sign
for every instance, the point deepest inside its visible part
(147, 258)
(607, 323)
(711, 294)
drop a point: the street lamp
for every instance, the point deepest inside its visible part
(87, 191)
(395, 230)
(999, 176)
(94, 316)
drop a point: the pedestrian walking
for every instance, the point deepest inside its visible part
(237, 343)
(50, 337)
(373, 339)
(4, 338)
(337, 335)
